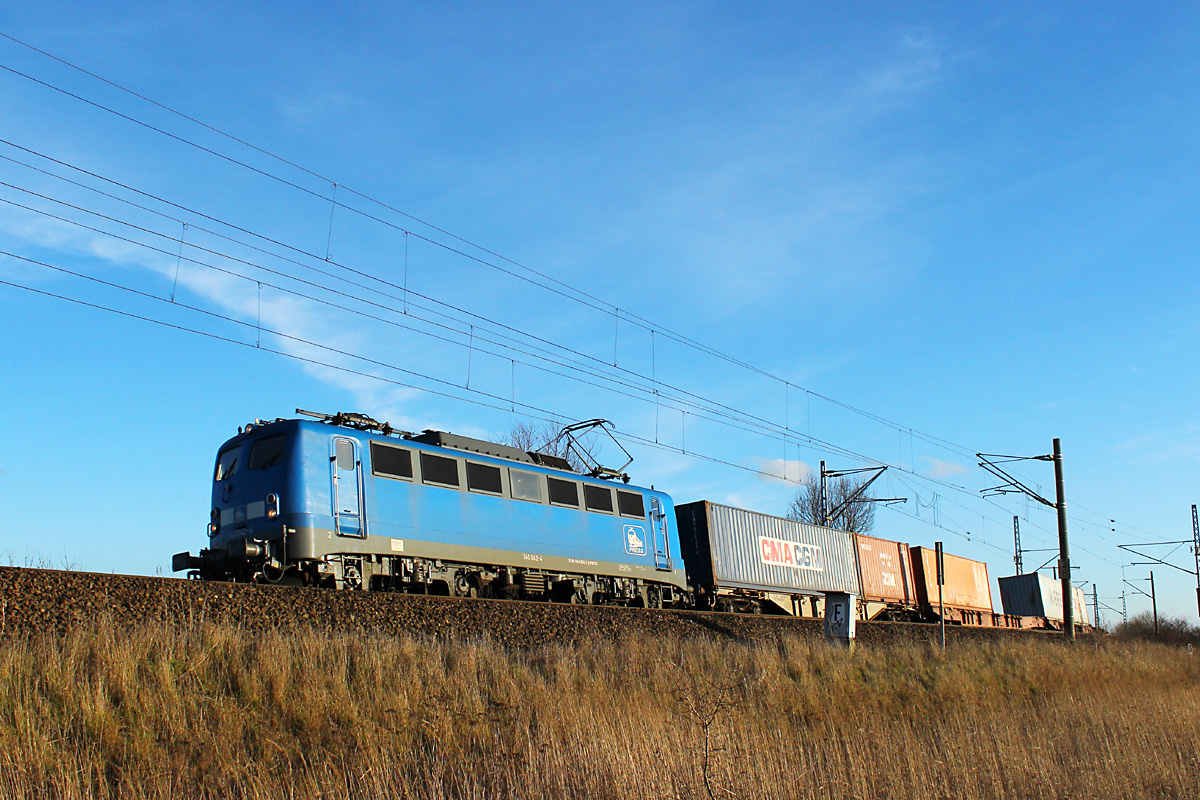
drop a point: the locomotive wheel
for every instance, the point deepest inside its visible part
(467, 585)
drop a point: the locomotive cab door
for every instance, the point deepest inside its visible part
(348, 517)
(662, 547)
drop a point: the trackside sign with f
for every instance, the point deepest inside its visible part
(797, 555)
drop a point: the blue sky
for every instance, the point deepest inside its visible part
(975, 223)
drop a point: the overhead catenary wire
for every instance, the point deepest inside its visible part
(617, 312)
(558, 287)
(756, 424)
(539, 413)
(491, 401)
(833, 449)
(571, 351)
(720, 418)
(847, 406)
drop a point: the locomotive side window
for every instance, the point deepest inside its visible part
(391, 462)
(437, 469)
(525, 485)
(631, 505)
(563, 493)
(266, 452)
(597, 498)
(227, 463)
(483, 478)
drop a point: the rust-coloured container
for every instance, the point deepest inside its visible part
(967, 585)
(885, 571)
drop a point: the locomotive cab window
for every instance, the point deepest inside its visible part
(266, 452)
(391, 462)
(525, 485)
(344, 453)
(227, 463)
(438, 469)
(597, 498)
(563, 493)
(483, 478)
(631, 504)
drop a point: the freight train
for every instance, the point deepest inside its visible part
(348, 502)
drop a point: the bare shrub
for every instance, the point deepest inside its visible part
(1171, 630)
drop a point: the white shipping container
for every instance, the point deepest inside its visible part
(1037, 595)
(732, 548)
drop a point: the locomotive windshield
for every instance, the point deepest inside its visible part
(227, 463)
(266, 452)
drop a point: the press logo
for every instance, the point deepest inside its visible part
(635, 540)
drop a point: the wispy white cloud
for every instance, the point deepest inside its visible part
(942, 469)
(780, 470)
(321, 102)
(788, 207)
(1176, 444)
(915, 65)
(299, 320)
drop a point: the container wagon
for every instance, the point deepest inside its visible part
(888, 587)
(1035, 595)
(967, 593)
(740, 560)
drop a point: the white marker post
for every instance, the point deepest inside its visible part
(839, 618)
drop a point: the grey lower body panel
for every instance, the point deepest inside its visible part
(315, 543)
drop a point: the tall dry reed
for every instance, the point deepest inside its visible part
(213, 712)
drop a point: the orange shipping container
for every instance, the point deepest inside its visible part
(885, 571)
(967, 584)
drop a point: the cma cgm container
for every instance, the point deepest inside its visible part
(885, 571)
(966, 588)
(730, 550)
(1035, 595)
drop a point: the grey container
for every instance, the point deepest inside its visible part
(1035, 595)
(731, 548)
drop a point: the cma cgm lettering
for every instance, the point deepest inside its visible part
(797, 555)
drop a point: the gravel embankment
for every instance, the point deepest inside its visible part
(35, 600)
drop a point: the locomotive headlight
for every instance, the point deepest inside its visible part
(272, 505)
(214, 525)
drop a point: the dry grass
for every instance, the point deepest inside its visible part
(208, 712)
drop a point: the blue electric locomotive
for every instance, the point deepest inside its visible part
(348, 502)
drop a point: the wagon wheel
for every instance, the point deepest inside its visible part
(467, 584)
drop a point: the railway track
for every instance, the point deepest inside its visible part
(38, 601)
